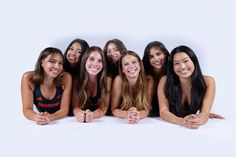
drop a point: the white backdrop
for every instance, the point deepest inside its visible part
(27, 27)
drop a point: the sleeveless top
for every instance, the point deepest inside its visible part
(183, 110)
(45, 105)
(154, 112)
(93, 102)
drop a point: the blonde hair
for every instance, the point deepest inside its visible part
(140, 100)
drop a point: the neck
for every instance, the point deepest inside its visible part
(48, 81)
(92, 79)
(132, 81)
(186, 83)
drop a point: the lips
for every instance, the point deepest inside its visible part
(55, 72)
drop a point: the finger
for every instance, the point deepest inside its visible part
(213, 115)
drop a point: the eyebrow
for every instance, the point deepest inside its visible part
(181, 59)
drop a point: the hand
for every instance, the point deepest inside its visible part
(89, 116)
(133, 116)
(191, 121)
(213, 115)
(80, 116)
(42, 118)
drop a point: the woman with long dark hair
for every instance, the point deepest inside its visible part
(90, 97)
(185, 91)
(155, 62)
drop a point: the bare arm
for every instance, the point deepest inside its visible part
(150, 88)
(165, 113)
(116, 98)
(207, 100)
(27, 96)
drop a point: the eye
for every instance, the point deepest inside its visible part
(60, 63)
(78, 50)
(125, 64)
(71, 49)
(52, 61)
(91, 58)
(134, 62)
(100, 60)
(151, 56)
(176, 63)
(186, 60)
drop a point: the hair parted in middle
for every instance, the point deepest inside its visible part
(81, 82)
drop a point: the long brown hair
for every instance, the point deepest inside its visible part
(81, 83)
(140, 100)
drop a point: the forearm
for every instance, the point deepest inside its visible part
(120, 113)
(29, 114)
(203, 118)
(99, 113)
(143, 114)
(169, 117)
(59, 114)
(76, 110)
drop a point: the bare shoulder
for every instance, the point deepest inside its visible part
(66, 76)
(209, 80)
(26, 80)
(118, 80)
(27, 75)
(163, 79)
(149, 78)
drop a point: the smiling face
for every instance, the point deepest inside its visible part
(94, 63)
(183, 65)
(73, 53)
(113, 54)
(156, 58)
(130, 66)
(52, 65)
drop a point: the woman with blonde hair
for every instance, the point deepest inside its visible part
(129, 93)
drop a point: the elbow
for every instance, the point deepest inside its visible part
(162, 114)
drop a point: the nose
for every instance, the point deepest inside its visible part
(182, 65)
(57, 65)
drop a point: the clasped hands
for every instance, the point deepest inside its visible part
(133, 115)
(43, 118)
(85, 116)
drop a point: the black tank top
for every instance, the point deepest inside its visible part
(93, 102)
(45, 105)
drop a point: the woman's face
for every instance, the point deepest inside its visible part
(52, 65)
(130, 66)
(73, 53)
(113, 54)
(94, 63)
(157, 58)
(183, 65)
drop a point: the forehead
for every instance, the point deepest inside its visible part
(180, 56)
(128, 58)
(111, 45)
(154, 50)
(76, 44)
(95, 54)
(55, 56)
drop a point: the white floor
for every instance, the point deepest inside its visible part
(110, 136)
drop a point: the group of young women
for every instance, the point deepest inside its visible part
(89, 82)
